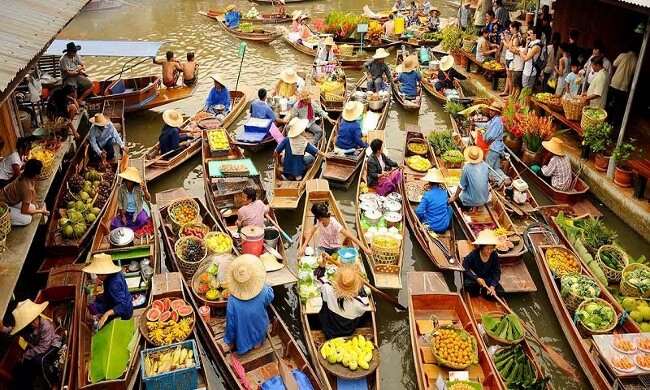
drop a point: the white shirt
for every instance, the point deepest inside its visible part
(6, 165)
(529, 69)
(352, 308)
(625, 65)
(607, 64)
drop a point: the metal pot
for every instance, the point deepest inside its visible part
(359, 95)
(394, 196)
(376, 105)
(147, 273)
(369, 205)
(121, 236)
(392, 219)
(372, 216)
(391, 205)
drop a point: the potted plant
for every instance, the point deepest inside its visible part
(622, 154)
(535, 130)
(453, 158)
(452, 41)
(528, 9)
(596, 137)
(513, 111)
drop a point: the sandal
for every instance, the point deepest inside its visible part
(504, 94)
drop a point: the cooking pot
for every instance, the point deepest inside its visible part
(369, 205)
(121, 236)
(391, 205)
(372, 216)
(394, 196)
(376, 105)
(359, 95)
(393, 219)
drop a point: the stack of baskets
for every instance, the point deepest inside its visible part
(630, 290)
(586, 121)
(573, 108)
(189, 267)
(612, 274)
(385, 252)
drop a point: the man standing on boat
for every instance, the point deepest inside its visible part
(102, 137)
(73, 72)
(376, 69)
(218, 101)
(171, 69)
(494, 136)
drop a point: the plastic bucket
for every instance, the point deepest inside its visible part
(204, 312)
(271, 236)
(252, 240)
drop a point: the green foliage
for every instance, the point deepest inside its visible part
(452, 38)
(597, 137)
(442, 141)
(453, 156)
(453, 108)
(625, 152)
(527, 5)
(109, 351)
(595, 234)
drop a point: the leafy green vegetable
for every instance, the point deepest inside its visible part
(109, 351)
(596, 315)
(580, 285)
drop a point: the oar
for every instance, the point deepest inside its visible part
(392, 300)
(561, 363)
(284, 234)
(155, 160)
(285, 372)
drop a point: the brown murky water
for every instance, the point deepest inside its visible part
(177, 23)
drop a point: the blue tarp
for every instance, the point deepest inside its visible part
(107, 48)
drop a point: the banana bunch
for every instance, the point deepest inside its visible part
(44, 156)
(167, 332)
(353, 353)
(160, 362)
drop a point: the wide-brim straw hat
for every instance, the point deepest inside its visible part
(303, 94)
(99, 119)
(434, 9)
(473, 154)
(131, 174)
(296, 14)
(486, 237)
(555, 146)
(246, 277)
(433, 176)
(304, 16)
(218, 78)
(329, 41)
(381, 53)
(282, 1)
(71, 47)
(446, 63)
(347, 282)
(25, 313)
(230, 7)
(352, 111)
(102, 264)
(270, 262)
(410, 63)
(173, 118)
(296, 127)
(289, 76)
(496, 106)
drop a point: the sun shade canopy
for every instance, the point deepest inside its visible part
(107, 48)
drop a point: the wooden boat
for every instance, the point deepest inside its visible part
(156, 166)
(60, 250)
(287, 193)
(429, 300)
(591, 363)
(381, 16)
(101, 5)
(63, 294)
(440, 249)
(259, 364)
(346, 62)
(258, 35)
(407, 104)
(429, 87)
(331, 105)
(339, 170)
(256, 147)
(318, 191)
(145, 247)
(265, 18)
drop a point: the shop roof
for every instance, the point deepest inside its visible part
(107, 48)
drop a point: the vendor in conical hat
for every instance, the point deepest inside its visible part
(376, 69)
(482, 268)
(115, 301)
(445, 78)
(171, 140)
(232, 17)
(434, 209)
(289, 83)
(218, 100)
(132, 198)
(474, 188)
(557, 169)
(295, 17)
(349, 137)
(299, 152)
(246, 315)
(43, 344)
(409, 77)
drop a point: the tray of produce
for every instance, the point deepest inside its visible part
(349, 358)
(167, 321)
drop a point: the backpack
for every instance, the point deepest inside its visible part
(539, 63)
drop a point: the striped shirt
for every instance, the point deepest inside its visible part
(559, 168)
(252, 214)
(329, 235)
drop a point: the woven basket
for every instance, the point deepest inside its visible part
(468, 45)
(172, 210)
(204, 228)
(611, 274)
(586, 331)
(629, 290)
(573, 108)
(419, 142)
(384, 255)
(587, 122)
(213, 234)
(5, 219)
(345, 50)
(189, 267)
(461, 332)
(573, 301)
(500, 341)
(48, 165)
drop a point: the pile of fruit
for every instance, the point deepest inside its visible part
(353, 353)
(385, 241)
(638, 279)
(169, 321)
(561, 261)
(183, 213)
(160, 362)
(463, 385)
(43, 155)
(493, 65)
(218, 140)
(596, 314)
(219, 243)
(453, 157)
(639, 311)
(548, 98)
(517, 370)
(454, 348)
(418, 163)
(209, 287)
(579, 285)
(252, 13)
(417, 148)
(506, 328)
(194, 230)
(190, 249)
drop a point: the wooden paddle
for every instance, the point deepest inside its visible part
(155, 160)
(285, 372)
(559, 361)
(392, 300)
(284, 234)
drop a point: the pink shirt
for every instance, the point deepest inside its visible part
(294, 26)
(329, 235)
(252, 214)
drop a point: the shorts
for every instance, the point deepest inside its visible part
(508, 62)
(81, 82)
(528, 81)
(516, 78)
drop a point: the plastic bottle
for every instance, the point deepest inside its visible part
(424, 56)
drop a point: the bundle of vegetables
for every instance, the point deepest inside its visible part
(517, 370)
(506, 329)
(639, 310)
(442, 141)
(252, 13)
(576, 288)
(611, 260)
(596, 315)
(636, 281)
(432, 36)
(453, 157)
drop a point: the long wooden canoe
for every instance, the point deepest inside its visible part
(346, 62)
(439, 248)
(287, 193)
(60, 250)
(437, 302)
(259, 364)
(156, 166)
(256, 147)
(593, 366)
(428, 85)
(258, 35)
(407, 104)
(318, 191)
(330, 105)
(147, 246)
(265, 18)
(63, 291)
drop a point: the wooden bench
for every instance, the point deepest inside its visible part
(495, 74)
(642, 168)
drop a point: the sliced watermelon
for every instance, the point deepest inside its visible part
(165, 316)
(185, 311)
(167, 304)
(175, 316)
(177, 304)
(158, 304)
(153, 314)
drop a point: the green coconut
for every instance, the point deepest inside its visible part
(68, 231)
(96, 211)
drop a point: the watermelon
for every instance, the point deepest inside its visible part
(158, 305)
(165, 316)
(167, 304)
(177, 304)
(175, 316)
(153, 314)
(185, 311)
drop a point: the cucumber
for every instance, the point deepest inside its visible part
(504, 355)
(515, 374)
(504, 332)
(502, 364)
(507, 369)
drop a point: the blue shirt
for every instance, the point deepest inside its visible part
(261, 110)
(349, 136)
(292, 164)
(434, 209)
(232, 19)
(218, 97)
(246, 321)
(117, 296)
(474, 182)
(494, 133)
(409, 82)
(490, 271)
(570, 80)
(100, 135)
(130, 202)
(169, 139)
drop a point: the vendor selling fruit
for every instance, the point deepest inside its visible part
(132, 210)
(383, 173)
(218, 101)
(253, 211)
(246, 315)
(434, 210)
(557, 168)
(482, 268)
(116, 300)
(299, 153)
(102, 136)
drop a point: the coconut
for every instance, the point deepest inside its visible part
(91, 217)
(68, 231)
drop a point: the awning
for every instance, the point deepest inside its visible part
(107, 48)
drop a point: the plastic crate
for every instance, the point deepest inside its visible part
(185, 378)
(257, 125)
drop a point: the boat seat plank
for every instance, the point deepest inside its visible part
(388, 280)
(427, 355)
(258, 353)
(516, 278)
